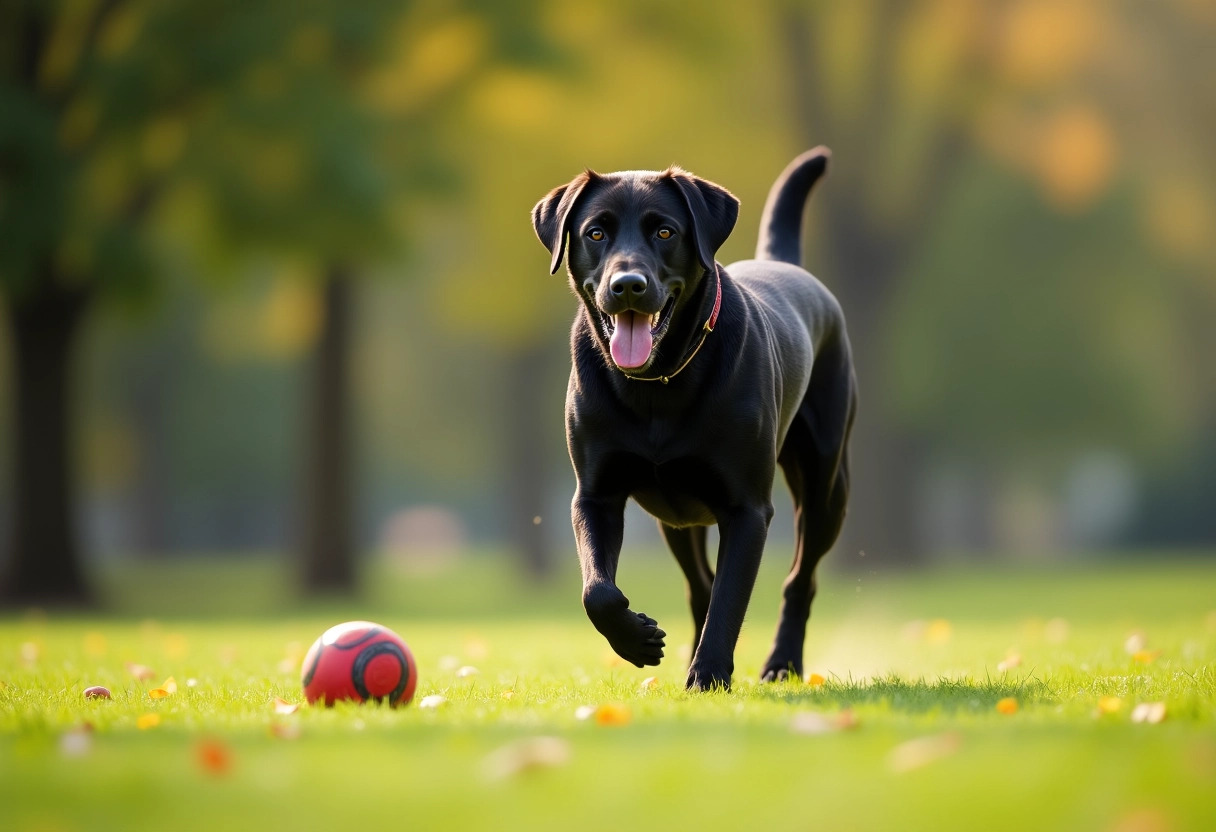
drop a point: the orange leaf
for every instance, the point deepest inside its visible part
(649, 683)
(214, 756)
(612, 714)
(158, 693)
(282, 706)
(147, 721)
(1007, 706)
(815, 680)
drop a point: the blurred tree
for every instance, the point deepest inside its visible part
(922, 100)
(118, 116)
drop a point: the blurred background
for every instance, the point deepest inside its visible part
(270, 289)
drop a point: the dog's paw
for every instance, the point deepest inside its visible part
(635, 636)
(777, 670)
(704, 677)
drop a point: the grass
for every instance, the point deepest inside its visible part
(910, 662)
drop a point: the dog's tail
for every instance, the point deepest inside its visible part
(781, 225)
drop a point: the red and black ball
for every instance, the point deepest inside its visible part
(358, 661)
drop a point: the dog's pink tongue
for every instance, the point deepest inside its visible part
(631, 340)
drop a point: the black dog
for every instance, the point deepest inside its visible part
(690, 383)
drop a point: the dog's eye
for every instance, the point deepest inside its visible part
(596, 234)
(665, 233)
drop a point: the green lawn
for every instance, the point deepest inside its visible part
(905, 733)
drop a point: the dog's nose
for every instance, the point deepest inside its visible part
(627, 283)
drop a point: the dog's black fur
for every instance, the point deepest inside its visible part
(772, 384)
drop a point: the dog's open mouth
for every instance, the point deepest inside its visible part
(633, 336)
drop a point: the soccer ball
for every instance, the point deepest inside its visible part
(358, 661)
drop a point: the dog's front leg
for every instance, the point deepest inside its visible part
(599, 524)
(743, 533)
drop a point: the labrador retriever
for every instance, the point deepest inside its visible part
(691, 383)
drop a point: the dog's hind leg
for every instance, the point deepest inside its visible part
(815, 461)
(688, 546)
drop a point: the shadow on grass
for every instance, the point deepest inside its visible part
(911, 696)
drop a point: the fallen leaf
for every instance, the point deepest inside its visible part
(650, 682)
(1009, 662)
(1145, 656)
(146, 721)
(847, 720)
(612, 713)
(508, 694)
(1109, 705)
(918, 753)
(432, 701)
(282, 706)
(288, 730)
(526, 755)
(214, 757)
(815, 680)
(158, 693)
(1007, 706)
(1150, 712)
(141, 671)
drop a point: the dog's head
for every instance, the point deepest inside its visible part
(640, 243)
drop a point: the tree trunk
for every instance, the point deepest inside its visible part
(885, 459)
(329, 556)
(525, 440)
(44, 565)
(150, 504)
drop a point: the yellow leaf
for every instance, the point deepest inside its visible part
(158, 693)
(1145, 656)
(1109, 705)
(147, 721)
(1007, 706)
(815, 680)
(649, 683)
(612, 714)
(170, 685)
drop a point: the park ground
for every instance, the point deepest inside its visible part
(1034, 697)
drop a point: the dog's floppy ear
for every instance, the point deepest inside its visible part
(713, 210)
(550, 215)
